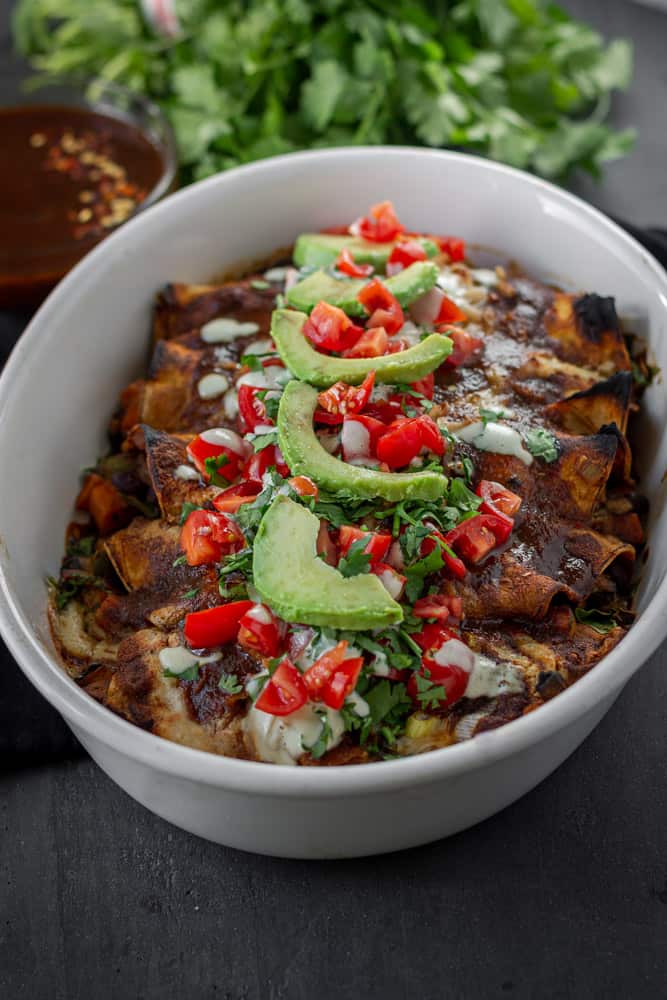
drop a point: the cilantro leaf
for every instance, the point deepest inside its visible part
(541, 443)
(357, 560)
(321, 744)
(186, 510)
(601, 621)
(229, 683)
(429, 694)
(490, 416)
(213, 465)
(261, 441)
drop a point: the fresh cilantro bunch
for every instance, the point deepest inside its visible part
(516, 80)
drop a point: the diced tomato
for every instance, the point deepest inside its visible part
(376, 547)
(475, 538)
(393, 581)
(396, 345)
(405, 438)
(357, 442)
(439, 607)
(372, 343)
(330, 329)
(452, 562)
(432, 636)
(229, 459)
(326, 546)
(229, 500)
(400, 443)
(385, 410)
(465, 345)
(340, 398)
(284, 692)
(497, 498)
(346, 264)
(381, 225)
(449, 312)
(261, 461)
(453, 679)
(252, 410)
(403, 254)
(425, 386)
(215, 626)
(207, 536)
(304, 486)
(320, 673)
(454, 247)
(431, 437)
(343, 682)
(260, 631)
(384, 308)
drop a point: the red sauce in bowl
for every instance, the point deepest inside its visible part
(69, 176)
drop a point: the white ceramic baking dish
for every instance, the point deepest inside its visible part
(91, 337)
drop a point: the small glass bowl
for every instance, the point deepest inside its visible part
(27, 273)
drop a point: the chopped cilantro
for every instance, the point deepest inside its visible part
(357, 560)
(252, 361)
(190, 674)
(186, 510)
(601, 621)
(229, 683)
(490, 416)
(429, 694)
(271, 403)
(461, 497)
(238, 562)
(190, 593)
(179, 560)
(65, 590)
(262, 441)
(259, 284)
(417, 572)
(213, 465)
(541, 443)
(81, 546)
(468, 469)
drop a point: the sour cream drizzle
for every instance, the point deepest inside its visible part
(495, 437)
(186, 472)
(226, 329)
(178, 659)
(283, 739)
(212, 385)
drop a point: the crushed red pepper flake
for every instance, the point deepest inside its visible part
(111, 196)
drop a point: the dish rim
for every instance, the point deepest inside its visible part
(42, 668)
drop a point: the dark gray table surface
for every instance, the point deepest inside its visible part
(563, 895)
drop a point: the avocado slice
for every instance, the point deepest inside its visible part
(305, 456)
(408, 285)
(300, 587)
(306, 363)
(322, 250)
